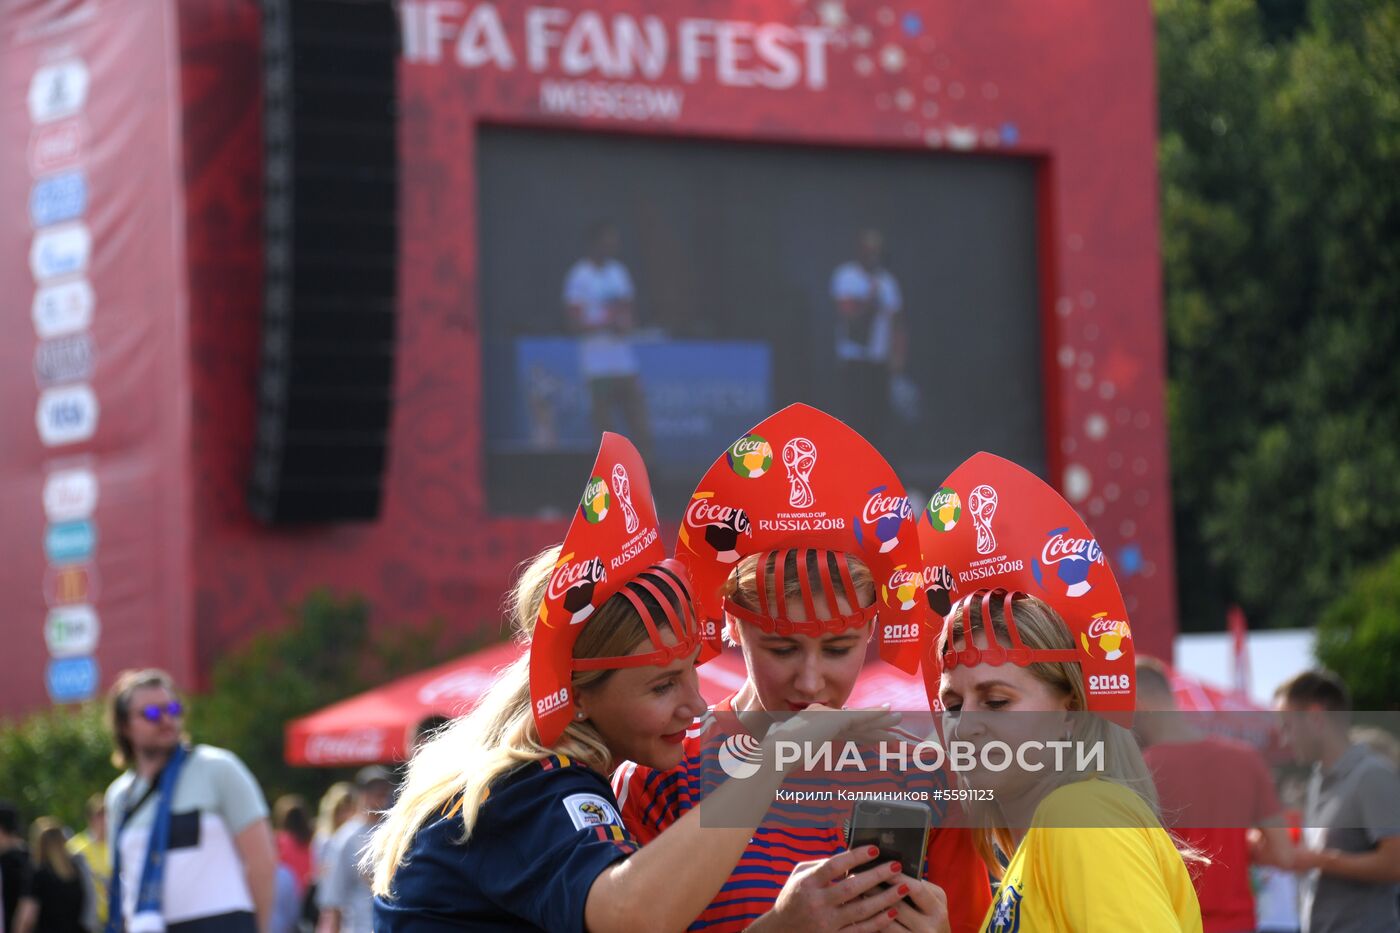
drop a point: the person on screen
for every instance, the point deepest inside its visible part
(870, 344)
(598, 297)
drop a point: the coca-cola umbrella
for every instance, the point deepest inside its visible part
(377, 726)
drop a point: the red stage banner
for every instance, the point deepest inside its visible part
(93, 373)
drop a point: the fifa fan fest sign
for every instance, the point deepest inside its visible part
(622, 47)
(130, 397)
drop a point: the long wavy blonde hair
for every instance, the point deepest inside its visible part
(464, 758)
(1041, 627)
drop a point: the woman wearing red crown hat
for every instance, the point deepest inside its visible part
(795, 587)
(506, 820)
(1081, 837)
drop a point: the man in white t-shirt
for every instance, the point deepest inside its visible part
(220, 860)
(598, 299)
(869, 336)
(344, 897)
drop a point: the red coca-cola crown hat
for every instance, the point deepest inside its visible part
(801, 479)
(994, 530)
(613, 546)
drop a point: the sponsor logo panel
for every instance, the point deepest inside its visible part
(70, 494)
(55, 146)
(70, 585)
(63, 308)
(71, 680)
(58, 90)
(71, 631)
(61, 250)
(58, 198)
(66, 415)
(70, 542)
(63, 360)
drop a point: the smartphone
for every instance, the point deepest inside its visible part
(898, 829)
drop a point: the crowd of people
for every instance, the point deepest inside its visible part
(593, 788)
(225, 863)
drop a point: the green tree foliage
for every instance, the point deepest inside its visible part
(1359, 636)
(330, 652)
(54, 760)
(1280, 148)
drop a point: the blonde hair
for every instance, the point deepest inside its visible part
(742, 585)
(49, 849)
(337, 805)
(498, 735)
(1041, 628)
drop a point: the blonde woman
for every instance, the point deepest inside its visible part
(336, 807)
(59, 889)
(1084, 845)
(506, 820)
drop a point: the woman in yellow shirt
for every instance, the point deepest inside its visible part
(1051, 676)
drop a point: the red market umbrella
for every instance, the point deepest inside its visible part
(377, 726)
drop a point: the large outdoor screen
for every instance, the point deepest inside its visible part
(678, 291)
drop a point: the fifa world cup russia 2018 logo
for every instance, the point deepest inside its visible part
(622, 488)
(982, 503)
(799, 456)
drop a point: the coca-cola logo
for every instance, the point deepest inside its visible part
(878, 507)
(1061, 546)
(567, 576)
(938, 576)
(751, 444)
(362, 745)
(939, 587)
(904, 577)
(750, 456)
(704, 512)
(1105, 626)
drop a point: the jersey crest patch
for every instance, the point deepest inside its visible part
(590, 810)
(1006, 915)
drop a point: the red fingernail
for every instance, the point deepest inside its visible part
(873, 851)
(893, 914)
(904, 889)
(894, 868)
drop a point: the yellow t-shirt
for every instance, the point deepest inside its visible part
(1094, 860)
(99, 860)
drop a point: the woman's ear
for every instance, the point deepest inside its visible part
(732, 631)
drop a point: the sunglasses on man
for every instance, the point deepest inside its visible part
(152, 712)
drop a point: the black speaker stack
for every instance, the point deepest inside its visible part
(331, 257)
